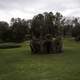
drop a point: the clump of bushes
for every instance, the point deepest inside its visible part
(47, 45)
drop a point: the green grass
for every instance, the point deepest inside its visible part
(19, 64)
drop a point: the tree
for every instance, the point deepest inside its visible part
(76, 30)
(19, 29)
(44, 27)
(58, 24)
(4, 27)
(37, 25)
(49, 26)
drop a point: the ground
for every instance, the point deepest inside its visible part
(19, 64)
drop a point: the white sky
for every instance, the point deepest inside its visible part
(28, 8)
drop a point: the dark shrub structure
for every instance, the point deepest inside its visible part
(46, 33)
(47, 45)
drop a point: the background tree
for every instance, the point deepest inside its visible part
(76, 29)
(19, 29)
(4, 27)
(68, 26)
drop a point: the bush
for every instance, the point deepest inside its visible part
(9, 45)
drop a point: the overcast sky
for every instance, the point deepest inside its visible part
(28, 8)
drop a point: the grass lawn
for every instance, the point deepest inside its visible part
(19, 64)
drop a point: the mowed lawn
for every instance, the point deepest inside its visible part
(19, 64)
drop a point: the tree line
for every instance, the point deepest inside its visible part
(47, 23)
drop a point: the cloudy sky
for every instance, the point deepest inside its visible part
(28, 8)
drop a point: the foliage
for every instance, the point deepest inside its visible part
(42, 25)
(4, 27)
(19, 29)
(76, 30)
(46, 23)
